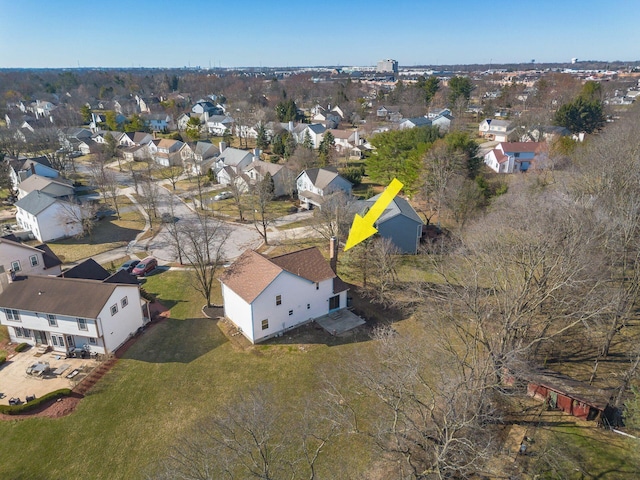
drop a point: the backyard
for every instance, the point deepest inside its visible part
(185, 368)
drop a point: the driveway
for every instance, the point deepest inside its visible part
(15, 382)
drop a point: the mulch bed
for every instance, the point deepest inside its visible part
(66, 405)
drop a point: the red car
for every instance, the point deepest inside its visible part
(144, 267)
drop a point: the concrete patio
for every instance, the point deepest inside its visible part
(339, 322)
(15, 382)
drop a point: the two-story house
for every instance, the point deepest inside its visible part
(264, 296)
(498, 130)
(22, 168)
(315, 183)
(68, 313)
(511, 157)
(56, 187)
(26, 259)
(48, 217)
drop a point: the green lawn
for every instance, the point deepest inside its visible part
(109, 233)
(178, 372)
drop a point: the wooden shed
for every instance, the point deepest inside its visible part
(571, 396)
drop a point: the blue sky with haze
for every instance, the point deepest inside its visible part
(160, 33)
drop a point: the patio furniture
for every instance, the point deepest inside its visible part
(61, 369)
(30, 398)
(38, 369)
(73, 373)
(14, 401)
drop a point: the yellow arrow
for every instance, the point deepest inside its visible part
(362, 227)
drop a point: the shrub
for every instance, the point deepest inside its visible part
(21, 347)
(353, 174)
(147, 296)
(26, 407)
(3, 358)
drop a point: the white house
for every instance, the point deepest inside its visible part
(67, 313)
(264, 297)
(492, 129)
(315, 183)
(166, 152)
(22, 168)
(27, 260)
(315, 131)
(47, 217)
(511, 157)
(232, 161)
(414, 122)
(218, 124)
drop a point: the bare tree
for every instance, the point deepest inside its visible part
(105, 180)
(172, 173)
(426, 426)
(202, 242)
(72, 213)
(261, 201)
(335, 215)
(249, 440)
(150, 193)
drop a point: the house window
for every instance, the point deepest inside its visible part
(93, 341)
(53, 322)
(265, 324)
(278, 299)
(82, 324)
(290, 312)
(124, 302)
(13, 315)
(54, 340)
(114, 309)
(15, 266)
(22, 332)
(34, 260)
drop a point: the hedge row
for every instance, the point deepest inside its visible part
(3, 358)
(21, 347)
(26, 407)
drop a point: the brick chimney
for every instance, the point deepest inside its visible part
(333, 254)
(223, 145)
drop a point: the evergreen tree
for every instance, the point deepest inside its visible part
(85, 111)
(326, 148)
(459, 87)
(262, 142)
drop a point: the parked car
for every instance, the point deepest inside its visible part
(130, 265)
(168, 218)
(147, 265)
(223, 196)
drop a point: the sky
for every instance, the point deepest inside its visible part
(285, 33)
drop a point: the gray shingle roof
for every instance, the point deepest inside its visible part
(399, 206)
(35, 202)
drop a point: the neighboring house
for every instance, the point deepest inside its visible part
(315, 131)
(92, 270)
(47, 217)
(443, 122)
(329, 118)
(22, 168)
(389, 113)
(158, 122)
(414, 122)
(130, 139)
(281, 175)
(233, 161)
(432, 114)
(27, 260)
(264, 297)
(512, 157)
(205, 106)
(218, 124)
(399, 223)
(88, 146)
(67, 313)
(547, 133)
(56, 187)
(315, 183)
(135, 153)
(203, 158)
(498, 130)
(166, 152)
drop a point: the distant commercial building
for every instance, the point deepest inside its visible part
(387, 66)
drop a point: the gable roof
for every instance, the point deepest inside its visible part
(38, 182)
(251, 273)
(35, 202)
(232, 156)
(316, 128)
(398, 206)
(89, 270)
(42, 160)
(519, 147)
(418, 121)
(321, 177)
(263, 167)
(57, 296)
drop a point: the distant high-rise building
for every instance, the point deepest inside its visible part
(387, 66)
